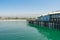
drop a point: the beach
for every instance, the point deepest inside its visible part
(13, 20)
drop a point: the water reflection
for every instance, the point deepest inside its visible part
(51, 34)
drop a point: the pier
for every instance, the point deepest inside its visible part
(50, 20)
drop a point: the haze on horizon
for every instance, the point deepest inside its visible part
(27, 8)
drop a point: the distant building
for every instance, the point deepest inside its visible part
(52, 16)
(55, 16)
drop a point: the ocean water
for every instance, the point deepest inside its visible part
(21, 30)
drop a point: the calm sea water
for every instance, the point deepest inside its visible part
(21, 30)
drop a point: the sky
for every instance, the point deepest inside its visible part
(28, 8)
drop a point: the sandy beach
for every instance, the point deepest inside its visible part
(13, 20)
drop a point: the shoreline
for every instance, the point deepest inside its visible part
(13, 20)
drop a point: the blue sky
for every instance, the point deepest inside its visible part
(27, 7)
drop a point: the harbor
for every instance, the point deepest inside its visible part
(51, 20)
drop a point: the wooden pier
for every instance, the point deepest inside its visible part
(52, 25)
(50, 21)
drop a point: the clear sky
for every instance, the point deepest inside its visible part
(27, 7)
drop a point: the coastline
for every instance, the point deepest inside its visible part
(13, 20)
